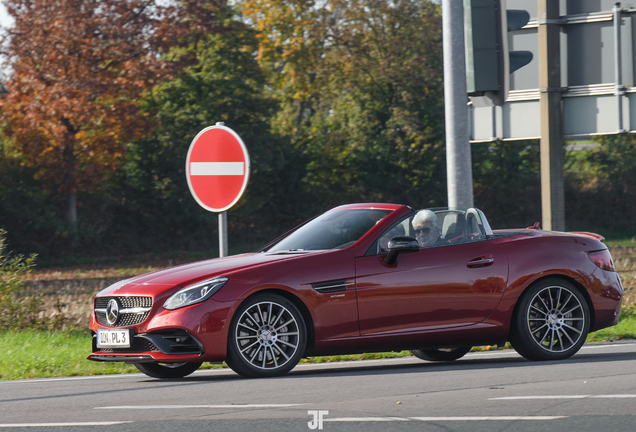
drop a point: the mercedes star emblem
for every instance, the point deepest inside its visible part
(112, 311)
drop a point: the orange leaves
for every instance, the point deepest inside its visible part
(290, 41)
(77, 70)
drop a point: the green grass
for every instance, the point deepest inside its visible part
(625, 329)
(618, 239)
(43, 354)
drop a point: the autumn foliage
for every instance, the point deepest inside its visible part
(77, 70)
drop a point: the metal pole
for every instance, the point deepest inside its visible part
(618, 68)
(552, 189)
(222, 224)
(493, 113)
(458, 158)
(223, 234)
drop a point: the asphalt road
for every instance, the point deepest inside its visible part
(489, 391)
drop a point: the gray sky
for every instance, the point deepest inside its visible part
(5, 19)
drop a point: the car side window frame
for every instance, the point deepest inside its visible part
(471, 214)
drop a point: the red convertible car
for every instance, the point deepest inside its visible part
(365, 278)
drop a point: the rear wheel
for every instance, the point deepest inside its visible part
(267, 337)
(167, 370)
(441, 354)
(551, 321)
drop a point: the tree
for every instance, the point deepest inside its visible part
(77, 69)
(360, 83)
(601, 179)
(28, 210)
(290, 49)
(225, 83)
(379, 121)
(507, 182)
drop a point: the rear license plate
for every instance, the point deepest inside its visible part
(113, 338)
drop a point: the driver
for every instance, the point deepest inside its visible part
(427, 229)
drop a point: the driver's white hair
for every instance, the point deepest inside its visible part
(426, 215)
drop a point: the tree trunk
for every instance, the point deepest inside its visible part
(69, 185)
(71, 217)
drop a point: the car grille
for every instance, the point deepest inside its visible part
(125, 319)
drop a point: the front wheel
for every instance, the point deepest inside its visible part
(267, 337)
(551, 321)
(167, 370)
(441, 354)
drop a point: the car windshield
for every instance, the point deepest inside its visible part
(335, 229)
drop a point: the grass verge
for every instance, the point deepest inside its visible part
(43, 354)
(625, 329)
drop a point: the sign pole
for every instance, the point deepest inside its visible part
(618, 65)
(222, 225)
(223, 234)
(458, 158)
(551, 150)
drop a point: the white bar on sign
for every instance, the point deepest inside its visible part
(217, 168)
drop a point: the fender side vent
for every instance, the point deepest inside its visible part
(331, 286)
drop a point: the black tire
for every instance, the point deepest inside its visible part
(551, 321)
(441, 354)
(167, 370)
(267, 337)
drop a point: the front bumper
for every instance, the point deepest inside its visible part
(171, 343)
(195, 333)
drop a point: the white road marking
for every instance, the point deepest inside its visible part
(17, 425)
(81, 378)
(364, 419)
(217, 168)
(435, 419)
(541, 397)
(618, 345)
(615, 396)
(243, 406)
(488, 418)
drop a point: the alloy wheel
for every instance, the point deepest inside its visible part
(267, 335)
(556, 319)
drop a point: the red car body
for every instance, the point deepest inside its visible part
(455, 295)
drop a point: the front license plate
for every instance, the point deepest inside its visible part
(113, 338)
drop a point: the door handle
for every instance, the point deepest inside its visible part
(481, 261)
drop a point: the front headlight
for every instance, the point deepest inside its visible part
(195, 293)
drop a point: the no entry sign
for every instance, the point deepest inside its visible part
(217, 168)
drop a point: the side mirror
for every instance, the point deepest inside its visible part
(402, 244)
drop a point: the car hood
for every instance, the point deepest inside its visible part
(188, 274)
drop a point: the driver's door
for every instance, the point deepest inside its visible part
(446, 286)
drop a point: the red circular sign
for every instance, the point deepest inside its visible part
(217, 168)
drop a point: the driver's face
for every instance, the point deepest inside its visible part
(425, 233)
